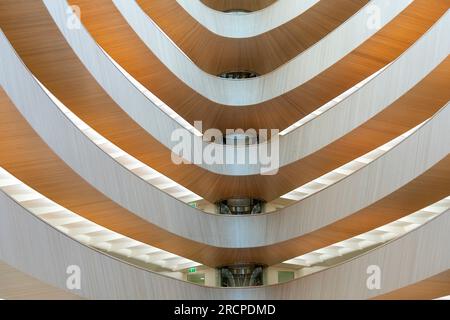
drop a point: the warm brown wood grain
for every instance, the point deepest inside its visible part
(250, 5)
(109, 278)
(434, 287)
(16, 285)
(261, 54)
(25, 155)
(28, 158)
(113, 33)
(44, 50)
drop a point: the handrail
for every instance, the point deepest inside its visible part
(154, 259)
(77, 150)
(340, 173)
(157, 118)
(179, 192)
(370, 239)
(132, 164)
(109, 277)
(252, 91)
(88, 232)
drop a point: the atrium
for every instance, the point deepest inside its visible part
(224, 149)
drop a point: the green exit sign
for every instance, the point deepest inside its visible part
(192, 270)
(193, 204)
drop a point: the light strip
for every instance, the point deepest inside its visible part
(143, 171)
(171, 187)
(331, 103)
(347, 169)
(374, 237)
(156, 101)
(176, 190)
(88, 232)
(103, 239)
(171, 113)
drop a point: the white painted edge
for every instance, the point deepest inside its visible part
(45, 253)
(401, 164)
(311, 62)
(246, 25)
(387, 86)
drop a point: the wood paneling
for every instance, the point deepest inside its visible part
(403, 262)
(34, 35)
(246, 25)
(293, 146)
(402, 164)
(28, 158)
(423, 191)
(113, 33)
(261, 54)
(266, 87)
(15, 285)
(435, 287)
(249, 5)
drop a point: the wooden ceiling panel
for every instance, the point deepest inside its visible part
(112, 32)
(261, 54)
(29, 159)
(38, 41)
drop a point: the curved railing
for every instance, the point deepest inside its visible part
(337, 174)
(177, 191)
(257, 90)
(165, 184)
(90, 233)
(172, 188)
(105, 277)
(239, 58)
(248, 24)
(139, 197)
(157, 260)
(157, 118)
(360, 243)
(136, 195)
(104, 21)
(132, 164)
